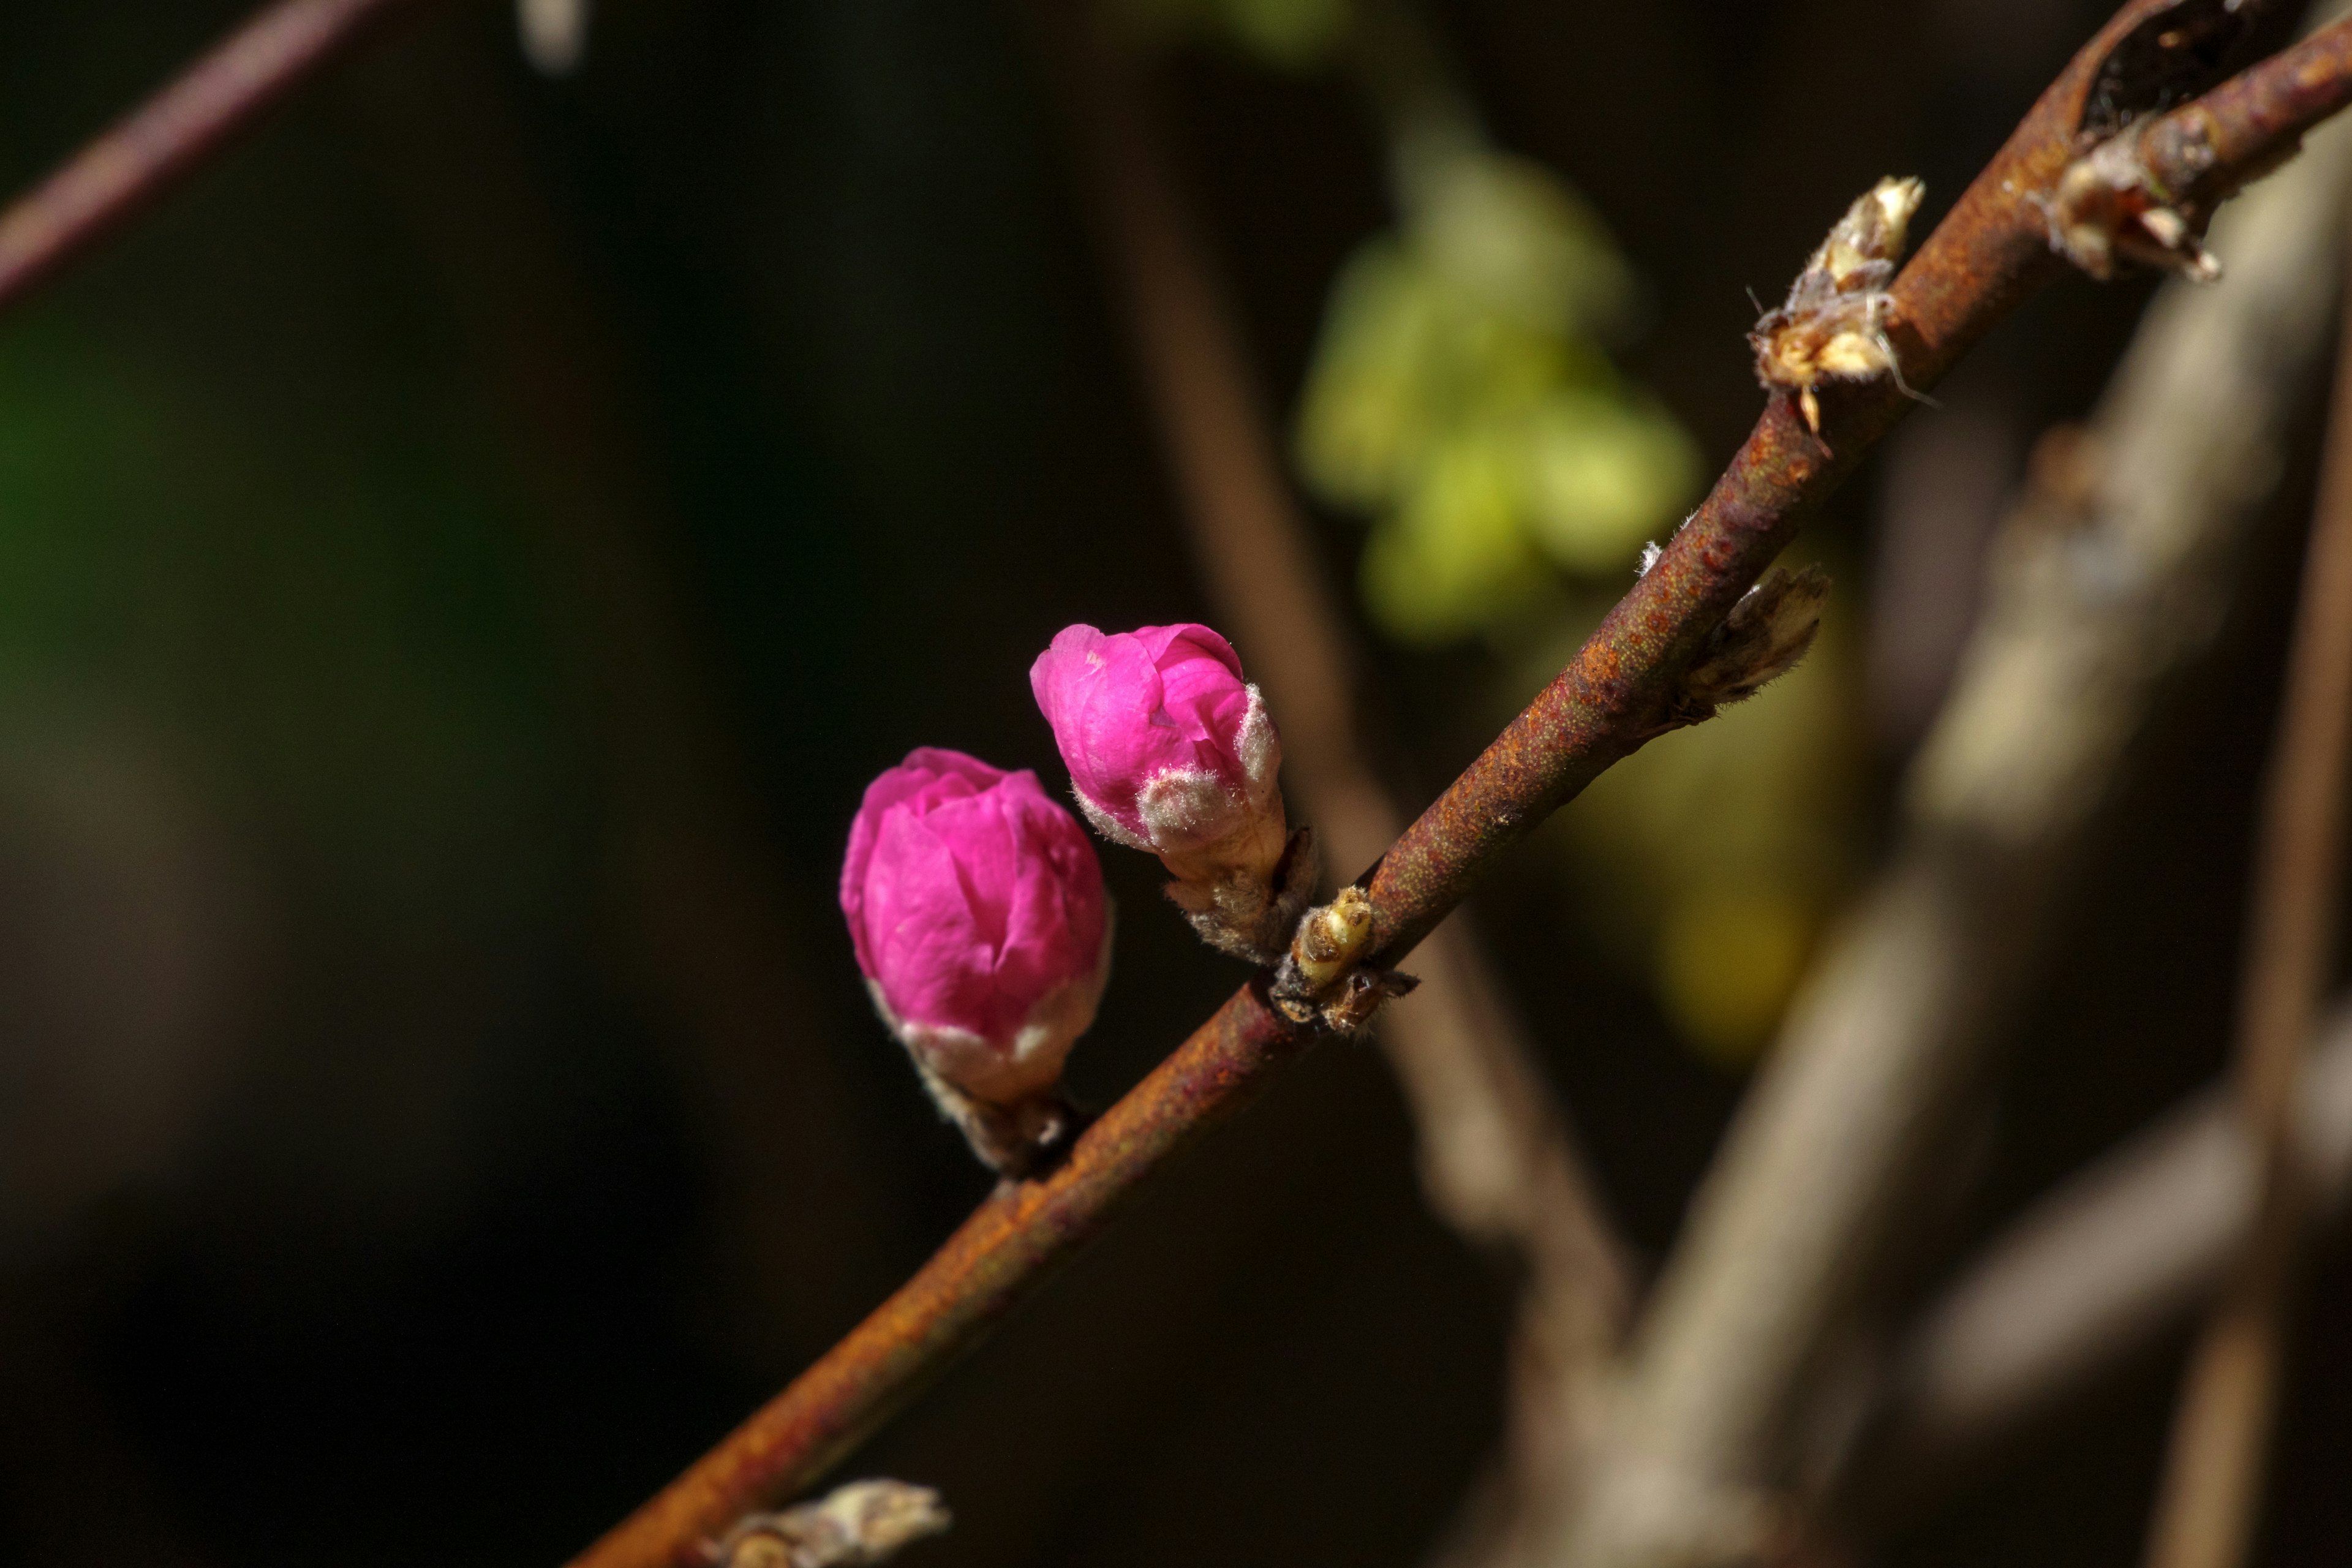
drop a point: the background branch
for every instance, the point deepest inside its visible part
(150, 149)
(2111, 576)
(2096, 1275)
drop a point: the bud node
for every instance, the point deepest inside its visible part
(861, 1523)
(1322, 982)
(2107, 209)
(1832, 326)
(1763, 638)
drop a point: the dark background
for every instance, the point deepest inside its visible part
(461, 558)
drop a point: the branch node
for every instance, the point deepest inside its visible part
(1250, 917)
(1763, 638)
(2109, 207)
(863, 1522)
(1832, 326)
(1322, 980)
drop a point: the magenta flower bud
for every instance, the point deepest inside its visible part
(976, 906)
(1170, 750)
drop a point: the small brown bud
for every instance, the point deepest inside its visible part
(861, 1523)
(2106, 208)
(1323, 979)
(1763, 638)
(1832, 326)
(1363, 993)
(1330, 939)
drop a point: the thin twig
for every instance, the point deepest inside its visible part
(2112, 574)
(1621, 689)
(2206, 1512)
(1496, 1162)
(2096, 1275)
(150, 149)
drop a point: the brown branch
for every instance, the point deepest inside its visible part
(2109, 578)
(2205, 151)
(1496, 1162)
(1987, 254)
(151, 148)
(2096, 1275)
(2211, 1495)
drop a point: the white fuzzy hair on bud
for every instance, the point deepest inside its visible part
(863, 1522)
(1832, 326)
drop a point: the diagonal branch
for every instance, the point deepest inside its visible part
(152, 148)
(1623, 687)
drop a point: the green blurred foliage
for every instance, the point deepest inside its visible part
(1460, 398)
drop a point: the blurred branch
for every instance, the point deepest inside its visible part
(2094, 1276)
(147, 152)
(1496, 1164)
(2204, 151)
(2111, 575)
(1623, 687)
(2212, 1496)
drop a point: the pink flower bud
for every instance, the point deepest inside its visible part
(1170, 750)
(976, 906)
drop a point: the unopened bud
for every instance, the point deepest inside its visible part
(1323, 980)
(2107, 209)
(1763, 638)
(1170, 750)
(976, 908)
(1332, 938)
